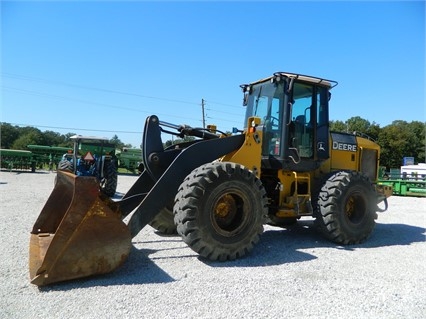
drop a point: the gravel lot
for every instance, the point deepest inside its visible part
(292, 273)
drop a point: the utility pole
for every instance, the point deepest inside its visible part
(202, 108)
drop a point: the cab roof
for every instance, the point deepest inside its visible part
(88, 138)
(305, 78)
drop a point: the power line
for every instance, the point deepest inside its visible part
(59, 97)
(207, 102)
(224, 104)
(40, 80)
(72, 128)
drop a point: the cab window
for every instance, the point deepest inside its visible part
(301, 134)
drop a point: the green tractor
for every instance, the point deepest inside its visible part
(92, 156)
(130, 159)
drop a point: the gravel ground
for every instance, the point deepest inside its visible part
(291, 273)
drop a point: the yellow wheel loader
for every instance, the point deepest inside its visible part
(218, 190)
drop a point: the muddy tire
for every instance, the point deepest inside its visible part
(109, 183)
(164, 221)
(346, 208)
(141, 168)
(219, 210)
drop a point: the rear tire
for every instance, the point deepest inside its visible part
(219, 210)
(109, 183)
(346, 208)
(65, 165)
(163, 222)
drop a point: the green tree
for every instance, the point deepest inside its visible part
(179, 140)
(338, 126)
(356, 124)
(362, 126)
(8, 134)
(66, 141)
(373, 131)
(51, 138)
(118, 143)
(398, 140)
(419, 147)
(28, 135)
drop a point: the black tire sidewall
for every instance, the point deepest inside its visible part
(365, 224)
(65, 165)
(334, 222)
(110, 174)
(194, 215)
(251, 224)
(163, 222)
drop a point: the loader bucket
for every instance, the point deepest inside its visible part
(78, 233)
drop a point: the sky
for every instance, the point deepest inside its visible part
(101, 67)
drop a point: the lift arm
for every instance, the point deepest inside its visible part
(165, 170)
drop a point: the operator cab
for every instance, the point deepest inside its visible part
(293, 109)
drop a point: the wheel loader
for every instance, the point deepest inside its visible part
(218, 190)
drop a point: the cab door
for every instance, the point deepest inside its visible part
(308, 127)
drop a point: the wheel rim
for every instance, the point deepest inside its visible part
(229, 213)
(355, 208)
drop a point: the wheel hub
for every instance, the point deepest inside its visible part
(355, 208)
(225, 207)
(228, 213)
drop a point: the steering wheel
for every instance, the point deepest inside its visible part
(275, 122)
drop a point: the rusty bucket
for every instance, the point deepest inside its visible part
(78, 233)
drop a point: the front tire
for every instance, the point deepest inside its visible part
(219, 210)
(346, 208)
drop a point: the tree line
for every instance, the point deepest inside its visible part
(15, 137)
(397, 140)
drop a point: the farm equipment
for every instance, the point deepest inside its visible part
(94, 156)
(408, 180)
(130, 159)
(219, 190)
(17, 159)
(35, 157)
(47, 155)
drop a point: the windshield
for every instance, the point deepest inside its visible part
(265, 101)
